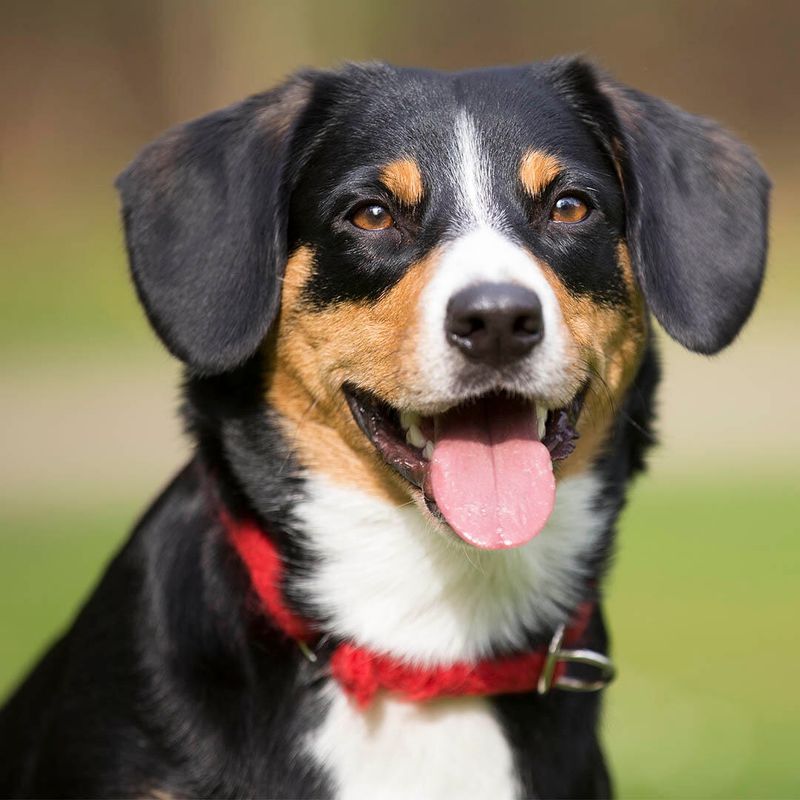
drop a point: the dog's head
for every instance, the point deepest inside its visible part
(448, 275)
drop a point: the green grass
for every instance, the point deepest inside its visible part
(703, 603)
(49, 561)
(701, 606)
(67, 285)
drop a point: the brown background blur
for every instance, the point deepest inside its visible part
(87, 396)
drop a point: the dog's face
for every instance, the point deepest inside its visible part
(459, 280)
(454, 270)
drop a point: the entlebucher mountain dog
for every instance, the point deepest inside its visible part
(415, 312)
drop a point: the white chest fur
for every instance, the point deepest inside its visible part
(450, 748)
(389, 582)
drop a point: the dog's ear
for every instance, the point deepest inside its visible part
(205, 210)
(696, 206)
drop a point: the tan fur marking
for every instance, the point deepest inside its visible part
(404, 180)
(368, 343)
(624, 260)
(610, 343)
(538, 169)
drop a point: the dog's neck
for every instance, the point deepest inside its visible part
(375, 572)
(383, 577)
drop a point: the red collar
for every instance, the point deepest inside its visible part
(362, 672)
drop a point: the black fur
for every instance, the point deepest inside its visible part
(205, 210)
(166, 681)
(170, 680)
(697, 206)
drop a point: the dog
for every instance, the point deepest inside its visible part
(415, 312)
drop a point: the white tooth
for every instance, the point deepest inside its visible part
(408, 419)
(427, 451)
(541, 419)
(414, 437)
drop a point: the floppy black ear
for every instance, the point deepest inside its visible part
(696, 207)
(205, 223)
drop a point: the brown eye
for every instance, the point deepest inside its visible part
(373, 217)
(569, 209)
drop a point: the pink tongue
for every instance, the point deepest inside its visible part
(490, 476)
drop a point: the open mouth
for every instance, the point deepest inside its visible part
(484, 466)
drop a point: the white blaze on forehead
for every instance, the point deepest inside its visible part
(480, 250)
(472, 178)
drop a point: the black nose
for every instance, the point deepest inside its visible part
(494, 323)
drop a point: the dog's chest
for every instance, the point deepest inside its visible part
(389, 583)
(396, 749)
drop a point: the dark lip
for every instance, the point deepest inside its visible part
(380, 423)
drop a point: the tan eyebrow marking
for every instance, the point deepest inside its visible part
(404, 180)
(537, 169)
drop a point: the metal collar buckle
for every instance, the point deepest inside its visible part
(588, 657)
(309, 654)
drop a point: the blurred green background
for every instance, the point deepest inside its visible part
(703, 598)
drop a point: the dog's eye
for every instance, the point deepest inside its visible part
(569, 209)
(372, 217)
